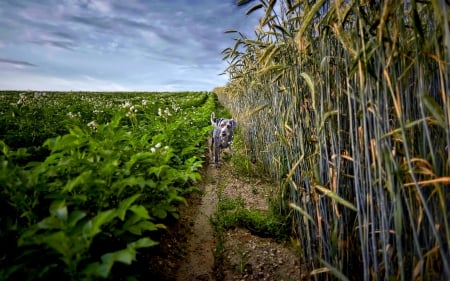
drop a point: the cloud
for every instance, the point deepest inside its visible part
(41, 82)
(17, 63)
(134, 44)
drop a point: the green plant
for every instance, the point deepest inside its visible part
(345, 103)
(231, 213)
(108, 186)
(242, 261)
(69, 235)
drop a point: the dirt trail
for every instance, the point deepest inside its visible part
(244, 256)
(199, 261)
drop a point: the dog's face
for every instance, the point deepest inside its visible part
(226, 127)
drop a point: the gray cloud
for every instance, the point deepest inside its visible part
(16, 62)
(53, 43)
(111, 40)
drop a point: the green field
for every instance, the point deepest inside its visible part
(88, 179)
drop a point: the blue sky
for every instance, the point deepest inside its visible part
(115, 45)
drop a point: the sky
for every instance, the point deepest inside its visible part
(116, 45)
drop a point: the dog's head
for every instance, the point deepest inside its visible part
(226, 127)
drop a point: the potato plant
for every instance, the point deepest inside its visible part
(96, 180)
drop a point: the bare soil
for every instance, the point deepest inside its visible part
(189, 251)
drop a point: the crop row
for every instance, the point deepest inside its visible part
(89, 179)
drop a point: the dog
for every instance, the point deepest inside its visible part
(221, 136)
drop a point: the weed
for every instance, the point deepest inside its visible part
(231, 213)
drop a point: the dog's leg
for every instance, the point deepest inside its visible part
(216, 156)
(210, 148)
(216, 152)
(214, 141)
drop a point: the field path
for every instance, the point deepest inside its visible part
(243, 256)
(199, 262)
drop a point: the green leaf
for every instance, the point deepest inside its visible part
(140, 211)
(308, 18)
(84, 177)
(309, 81)
(59, 209)
(21, 153)
(282, 29)
(125, 256)
(4, 148)
(160, 170)
(109, 167)
(335, 197)
(129, 181)
(302, 212)
(75, 216)
(125, 205)
(138, 228)
(77, 132)
(159, 213)
(189, 150)
(98, 221)
(435, 109)
(51, 222)
(58, 241)
(327, 115)
(143, 243)
(145, 157)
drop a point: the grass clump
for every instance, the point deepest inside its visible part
(232, 213)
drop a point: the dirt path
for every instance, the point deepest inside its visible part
(243, 256)
(190, 251)
(199, 262)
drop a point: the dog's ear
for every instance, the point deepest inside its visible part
(233, 123)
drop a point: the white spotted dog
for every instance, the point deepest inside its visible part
(222, 136)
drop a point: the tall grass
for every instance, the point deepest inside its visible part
(347, 105)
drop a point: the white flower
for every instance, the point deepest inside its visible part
(175, 107)
(153, 149)
(22, 98)
(72, 115)
(158, 145)
(93, 125)
(127, 104)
